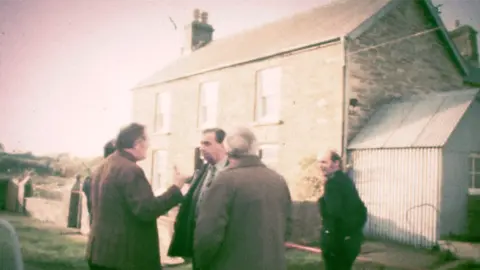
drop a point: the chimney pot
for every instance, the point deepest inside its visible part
(198, 33)
(204, 17)
(457, 23)
(196, 14)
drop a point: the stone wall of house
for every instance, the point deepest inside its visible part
(311, 111)
(408, 65)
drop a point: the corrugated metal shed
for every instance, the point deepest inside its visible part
(425, 121)
(401, 189)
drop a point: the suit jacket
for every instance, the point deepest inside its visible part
(124, 232)
(184, 227)
(244, 221)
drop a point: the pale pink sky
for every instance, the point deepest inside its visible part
(67, 67)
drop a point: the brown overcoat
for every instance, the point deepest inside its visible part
(124, 232)
(244, 221)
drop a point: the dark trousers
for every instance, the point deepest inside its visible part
(344, 256)
(194, 265)
(98, 267)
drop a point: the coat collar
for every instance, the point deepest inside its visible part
(125, 154)
(248, 161)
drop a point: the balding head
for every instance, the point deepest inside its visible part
(241, 142)
(329, 161)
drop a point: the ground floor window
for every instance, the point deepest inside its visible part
(160, 161)
(269, 154)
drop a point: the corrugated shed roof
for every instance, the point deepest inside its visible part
(320, 24)
(426, 121)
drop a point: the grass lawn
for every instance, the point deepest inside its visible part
(46, 247)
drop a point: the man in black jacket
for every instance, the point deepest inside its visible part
(343, 215)
(215, 155)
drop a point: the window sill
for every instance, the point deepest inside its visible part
(162, 133)
(205, 126)
(267, 123)
(474, 191)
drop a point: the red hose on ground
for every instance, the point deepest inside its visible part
(300, 247)
(318, 251)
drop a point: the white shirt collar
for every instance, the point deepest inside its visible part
(221, 164)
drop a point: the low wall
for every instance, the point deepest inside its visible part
(306, 222)
(51, 210)
(47, 210)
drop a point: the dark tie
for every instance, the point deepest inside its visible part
(206, 185)
(213, 171)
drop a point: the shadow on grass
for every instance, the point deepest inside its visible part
(47, 247)
(468, 265)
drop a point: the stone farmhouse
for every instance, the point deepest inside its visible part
(310, 81)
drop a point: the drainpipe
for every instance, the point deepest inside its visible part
(345, 103)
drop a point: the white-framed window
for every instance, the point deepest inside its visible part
(475, 171)
(268, 93)
(208, 105)
(160, 168)
(163, 112)
(269, 154)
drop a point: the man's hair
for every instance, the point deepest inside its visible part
(219, 134)
(335, 156)
(109, 148)
(128, 135)
(242, 142)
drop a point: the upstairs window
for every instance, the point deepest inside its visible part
(208, 105)
(267, 105)
(162, 112)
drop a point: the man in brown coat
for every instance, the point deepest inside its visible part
(124, 232)
(244, 221)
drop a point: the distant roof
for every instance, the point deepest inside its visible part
(426, 121)
(317, 25)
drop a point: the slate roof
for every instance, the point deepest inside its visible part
(320, 24)
(426, 121)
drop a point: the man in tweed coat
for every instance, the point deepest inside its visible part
(244, 221)
(124, 232)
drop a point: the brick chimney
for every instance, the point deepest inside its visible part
(465, 38)
(198, 33)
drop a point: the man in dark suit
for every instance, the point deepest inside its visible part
(124, 232)
(213, 152)
(343, 215)
(108, 149)
(245, 220)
